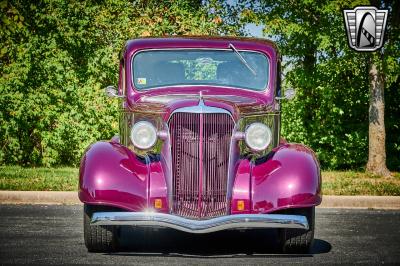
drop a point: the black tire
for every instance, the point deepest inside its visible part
(98, 238)
(298, 240)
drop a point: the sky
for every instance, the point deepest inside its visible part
(254, 30)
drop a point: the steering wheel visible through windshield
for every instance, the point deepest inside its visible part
(160, 68)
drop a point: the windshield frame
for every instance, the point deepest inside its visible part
(267, 56)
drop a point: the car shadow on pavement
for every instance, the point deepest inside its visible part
(168, 242)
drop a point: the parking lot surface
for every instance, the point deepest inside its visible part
(53, 234)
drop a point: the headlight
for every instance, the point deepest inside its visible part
(258, 136)
(143, 135)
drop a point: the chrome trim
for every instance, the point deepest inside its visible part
(237, 221)
(201, 108)
(233, 158)
(112, 92)
(166, 163)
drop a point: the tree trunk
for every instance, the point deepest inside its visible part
(377, 150)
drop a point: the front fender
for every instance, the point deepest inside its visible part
(110, 174)
(290, 178)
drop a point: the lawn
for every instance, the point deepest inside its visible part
(66, 179)
(50, 179)
(359, 183)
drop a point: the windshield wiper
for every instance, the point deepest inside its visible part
(242, 59)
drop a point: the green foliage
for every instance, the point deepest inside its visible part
(392, 124)
(200, 70)
(330, 111)
(57, 56)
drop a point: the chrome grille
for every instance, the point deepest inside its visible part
(200, 153)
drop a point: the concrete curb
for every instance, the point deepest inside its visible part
(39, 197)
(71, 198)
(363, 202)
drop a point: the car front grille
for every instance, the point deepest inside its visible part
(200, 145)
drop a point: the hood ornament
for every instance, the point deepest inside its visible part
(201, 99)
(200, 96)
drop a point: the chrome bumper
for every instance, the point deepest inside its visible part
(237, 221)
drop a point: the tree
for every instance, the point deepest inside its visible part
(332, 80)
(377, 134)
(57, 56)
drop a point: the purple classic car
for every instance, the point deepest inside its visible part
(199, 148)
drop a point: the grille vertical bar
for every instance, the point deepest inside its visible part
(200, 153)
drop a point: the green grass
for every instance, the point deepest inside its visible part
(359, 183)
(66, 179)
(46, 179)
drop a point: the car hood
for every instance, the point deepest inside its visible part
(238, 102)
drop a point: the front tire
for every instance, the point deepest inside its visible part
(98, 238)
(298, 240)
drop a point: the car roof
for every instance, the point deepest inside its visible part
(243, 43)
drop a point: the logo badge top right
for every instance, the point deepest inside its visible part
(365, 27)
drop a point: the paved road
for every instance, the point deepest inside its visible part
(53, 235)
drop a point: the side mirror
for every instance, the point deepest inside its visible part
(112, 92)
(289, 94)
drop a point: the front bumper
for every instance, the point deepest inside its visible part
(237, 221)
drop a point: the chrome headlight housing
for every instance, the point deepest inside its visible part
(143, 135)
(258, 136)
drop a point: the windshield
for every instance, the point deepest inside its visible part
(200, 67)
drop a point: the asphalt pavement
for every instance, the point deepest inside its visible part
(40, 234)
